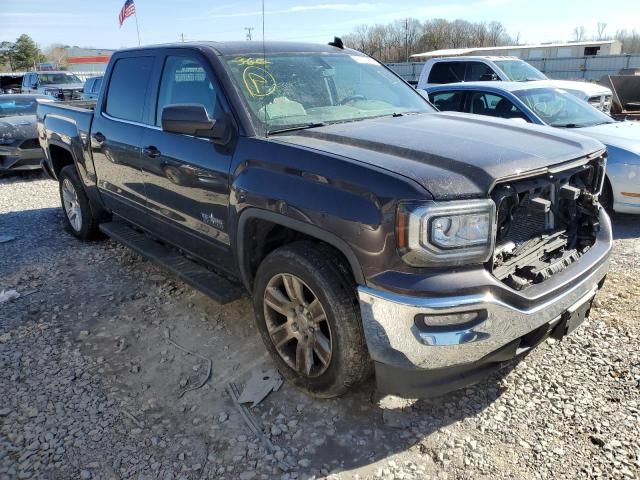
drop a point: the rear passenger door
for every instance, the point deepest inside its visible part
(116, 134)
(187, 177)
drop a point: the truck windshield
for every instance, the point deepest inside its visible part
(559, 108)
(519, 71)
(289, 91)
(57, 78)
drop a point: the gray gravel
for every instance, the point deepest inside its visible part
(91, 386)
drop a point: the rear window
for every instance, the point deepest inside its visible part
(128, 88)
(447, 72)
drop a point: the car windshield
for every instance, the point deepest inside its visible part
(57, 78)
(11, 107)
(558, 108)
(289, 91)
(519, 71)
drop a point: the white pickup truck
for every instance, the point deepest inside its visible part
(474, 69)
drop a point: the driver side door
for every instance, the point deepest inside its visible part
(187, 177)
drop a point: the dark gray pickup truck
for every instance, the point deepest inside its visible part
(369, 230)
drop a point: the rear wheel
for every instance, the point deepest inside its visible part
(80, 218)
(309, 319)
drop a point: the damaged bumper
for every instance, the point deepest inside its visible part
(425, 345)
(14, 158)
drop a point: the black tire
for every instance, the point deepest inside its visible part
(313, 264)
(87, 229)
(606, 197)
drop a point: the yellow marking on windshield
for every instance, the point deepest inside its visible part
(247, 61)
(258, 82)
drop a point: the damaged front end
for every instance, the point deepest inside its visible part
(546, 222)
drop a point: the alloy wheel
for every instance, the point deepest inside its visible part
(297, 324)
(71, 205)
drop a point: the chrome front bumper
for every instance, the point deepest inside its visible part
(395, 339)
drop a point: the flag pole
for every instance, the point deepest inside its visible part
(137, 28)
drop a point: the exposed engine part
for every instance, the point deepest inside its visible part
(545, 223)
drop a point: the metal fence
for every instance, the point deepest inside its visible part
(571, 68)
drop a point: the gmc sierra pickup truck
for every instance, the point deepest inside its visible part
(370, 230)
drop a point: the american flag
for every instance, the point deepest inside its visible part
(128, 9)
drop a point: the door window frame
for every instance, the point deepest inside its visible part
(221, 99)
(102, 106)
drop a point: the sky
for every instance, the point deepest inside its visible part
(94, 23)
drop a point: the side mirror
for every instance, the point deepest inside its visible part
(192, 119)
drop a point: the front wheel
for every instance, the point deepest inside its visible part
(309, 319)
(81, 220)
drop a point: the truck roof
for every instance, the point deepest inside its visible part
(253, 47)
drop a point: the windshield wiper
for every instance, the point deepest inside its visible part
(293, 128)
(569, 125)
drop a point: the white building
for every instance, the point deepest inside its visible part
(534, 52)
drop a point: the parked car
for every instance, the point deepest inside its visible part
(539, 103)
(368, 229)
(19, 146)
(60, 85)
(91, 88)
(443, 70)
(10, 83)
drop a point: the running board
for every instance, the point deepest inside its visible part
(210, 283)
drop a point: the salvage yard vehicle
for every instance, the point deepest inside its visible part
(60, 85)
(19, 145)
(368, 229)
(91, 88)
(443, 70)
(541, 104)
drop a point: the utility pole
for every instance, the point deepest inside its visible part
(406, 38)
(182, 37)
(249, 30)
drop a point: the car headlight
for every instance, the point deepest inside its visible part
(452, 232)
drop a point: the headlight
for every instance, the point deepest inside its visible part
(452, 233)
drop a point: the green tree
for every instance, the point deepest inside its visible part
(6, 62)
(25, 54)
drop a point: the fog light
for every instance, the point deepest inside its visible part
(427, 321)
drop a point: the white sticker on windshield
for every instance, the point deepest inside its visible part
(363, 59)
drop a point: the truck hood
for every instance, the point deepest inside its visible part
(622, 135)
(18, 127)
(452, 155)
(589, 89)
(63, 86)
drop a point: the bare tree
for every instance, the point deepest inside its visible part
(579, 33)
(602, 26)
(57, 53)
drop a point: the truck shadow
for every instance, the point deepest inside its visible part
(365, 427)
(625, 226)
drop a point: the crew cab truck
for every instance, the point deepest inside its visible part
(369, 230)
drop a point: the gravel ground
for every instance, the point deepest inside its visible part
(92, 388)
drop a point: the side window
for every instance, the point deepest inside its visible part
(478, 71)
(128, 88)
(96, 85)
(184, 80)
(494, 106)
(446, 72)
(448, 101)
